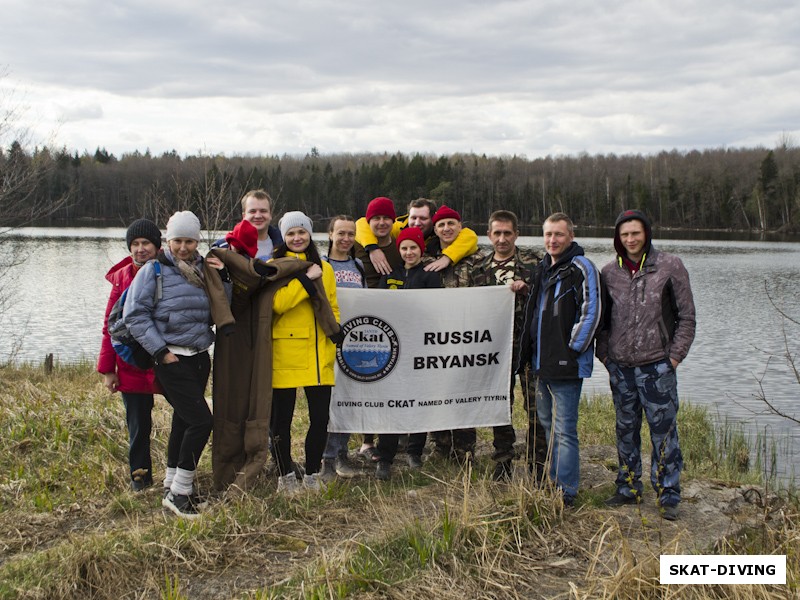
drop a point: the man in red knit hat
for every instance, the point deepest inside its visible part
(380, 217)
(458, 443)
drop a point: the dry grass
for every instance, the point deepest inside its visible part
(69, 528)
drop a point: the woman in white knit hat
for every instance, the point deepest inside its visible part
(174, 326)
(302, 355)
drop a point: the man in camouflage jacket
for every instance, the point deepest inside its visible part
(455, 443)
(509, 265)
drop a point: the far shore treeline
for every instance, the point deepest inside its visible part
(742, 189)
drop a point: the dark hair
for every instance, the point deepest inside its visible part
(331, 223)
(503, 215)
(352, 252)
(420, 202)
(312, 254)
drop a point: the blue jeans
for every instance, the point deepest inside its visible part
(652, 389)
(557, 406)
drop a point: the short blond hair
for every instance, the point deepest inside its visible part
(559, 216)
(258, 195)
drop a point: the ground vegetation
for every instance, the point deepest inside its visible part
(70, 528)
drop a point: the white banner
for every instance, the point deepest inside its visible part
(423, 360)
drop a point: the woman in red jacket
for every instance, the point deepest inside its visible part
(143, 239)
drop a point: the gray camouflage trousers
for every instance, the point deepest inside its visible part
(652, 388)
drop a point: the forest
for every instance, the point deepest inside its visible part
(729, 189)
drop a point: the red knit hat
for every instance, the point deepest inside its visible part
(244, 238)
(445, 212)
(380, 207)
(414, 234)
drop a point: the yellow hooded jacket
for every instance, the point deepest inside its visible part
(302, 355)
(466, 244)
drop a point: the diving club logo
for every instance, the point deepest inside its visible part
(370, 349)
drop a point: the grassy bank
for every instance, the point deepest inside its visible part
(69, 527)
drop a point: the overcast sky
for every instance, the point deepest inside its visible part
(523, 77)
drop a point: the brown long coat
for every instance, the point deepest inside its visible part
(242, 385)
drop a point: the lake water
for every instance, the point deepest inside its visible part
(60, 294)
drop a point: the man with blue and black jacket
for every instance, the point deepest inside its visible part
(561, 318)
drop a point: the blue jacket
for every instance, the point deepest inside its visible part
(182, 317)
(562, 315)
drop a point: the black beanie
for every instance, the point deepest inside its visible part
(143, 228)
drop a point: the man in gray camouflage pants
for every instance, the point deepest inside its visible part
(647, 330)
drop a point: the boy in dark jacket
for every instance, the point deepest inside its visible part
(411, 245)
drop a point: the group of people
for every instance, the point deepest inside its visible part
(636, 315)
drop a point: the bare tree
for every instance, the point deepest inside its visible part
(790, 357)
(21, 173)
(208, 191)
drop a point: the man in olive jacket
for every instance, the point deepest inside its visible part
(648, 328)
(512, 266)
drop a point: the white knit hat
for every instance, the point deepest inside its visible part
(294, 218)
(183, 224)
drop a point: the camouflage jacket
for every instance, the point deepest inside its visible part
(458, 275)
(482, 273)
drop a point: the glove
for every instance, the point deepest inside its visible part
(338, 337)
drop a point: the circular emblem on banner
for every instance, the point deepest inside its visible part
(369, 351)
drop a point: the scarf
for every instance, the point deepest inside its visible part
(191, 271)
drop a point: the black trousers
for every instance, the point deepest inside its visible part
(139, 417)
(184, 384)
(455, 441)
(387, 445)
(283, 401)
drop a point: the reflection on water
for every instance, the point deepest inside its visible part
(61, 294)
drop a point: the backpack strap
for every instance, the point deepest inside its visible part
(159, 282)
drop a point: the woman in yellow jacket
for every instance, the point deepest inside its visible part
(302, 355)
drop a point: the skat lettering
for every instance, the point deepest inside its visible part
(401, 403)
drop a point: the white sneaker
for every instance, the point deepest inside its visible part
(313, 482)
(288, 485)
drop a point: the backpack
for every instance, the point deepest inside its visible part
(123, 342)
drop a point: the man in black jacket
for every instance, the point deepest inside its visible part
(561, 318)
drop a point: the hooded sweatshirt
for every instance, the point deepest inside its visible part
(648, 309)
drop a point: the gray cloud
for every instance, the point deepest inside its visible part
(516, 76)
(81, 113)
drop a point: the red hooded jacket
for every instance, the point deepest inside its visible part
(131, 379)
